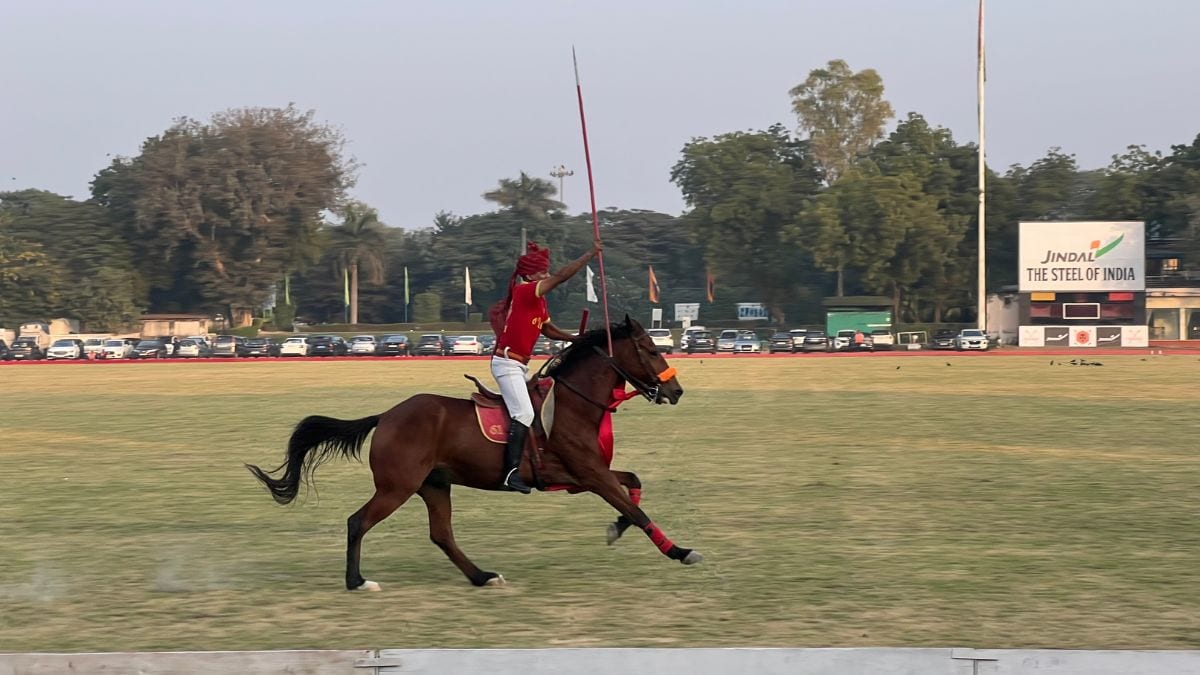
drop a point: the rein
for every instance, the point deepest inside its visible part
(651, 391)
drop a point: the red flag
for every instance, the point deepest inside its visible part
(710, 283)
(653, 286)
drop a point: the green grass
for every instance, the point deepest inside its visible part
(998, 502)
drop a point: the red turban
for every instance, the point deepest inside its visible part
(535, 260)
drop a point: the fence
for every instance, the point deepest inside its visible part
(832, 661)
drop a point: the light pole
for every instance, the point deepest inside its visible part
(560, 172)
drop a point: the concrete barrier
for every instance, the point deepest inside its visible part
(614, 661)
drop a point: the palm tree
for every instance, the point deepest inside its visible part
(527, 196)
(358, 244)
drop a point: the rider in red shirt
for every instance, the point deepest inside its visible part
(518, 320)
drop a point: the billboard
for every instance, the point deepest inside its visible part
(1088, 256)
(752, 311)
(1083, 336)
(687, 310)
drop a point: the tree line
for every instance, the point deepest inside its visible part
(251, 209)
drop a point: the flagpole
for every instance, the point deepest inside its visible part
(981, 292)
(587, 155)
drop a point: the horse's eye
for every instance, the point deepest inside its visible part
(653, 352)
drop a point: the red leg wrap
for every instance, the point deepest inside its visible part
(660, 540)
(635, 496)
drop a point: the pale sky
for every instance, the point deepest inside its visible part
(441, 100)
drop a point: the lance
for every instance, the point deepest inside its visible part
(587, 156)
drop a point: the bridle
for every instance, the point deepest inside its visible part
(652, 391)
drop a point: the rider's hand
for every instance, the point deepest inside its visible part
(597, 245)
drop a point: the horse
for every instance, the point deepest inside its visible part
(427, 443)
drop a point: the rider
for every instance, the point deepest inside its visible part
(518, 319)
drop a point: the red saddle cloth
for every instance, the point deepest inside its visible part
(493, 416)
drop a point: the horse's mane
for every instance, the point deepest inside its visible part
(578, 351)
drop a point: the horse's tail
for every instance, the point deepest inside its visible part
(315, 440)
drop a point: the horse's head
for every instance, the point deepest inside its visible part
(639, 357)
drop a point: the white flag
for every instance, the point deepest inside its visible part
(467, 285)
(591, 286)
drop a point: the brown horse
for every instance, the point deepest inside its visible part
(428, 442)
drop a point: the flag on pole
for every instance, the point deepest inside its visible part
(710, 285)
(346, 287)
(406, 286)
(467, 285)
(653, 286)
(591, 286)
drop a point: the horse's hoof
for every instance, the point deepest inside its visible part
(369, 586)
(497, 580)
(613, 534)
(692, 558)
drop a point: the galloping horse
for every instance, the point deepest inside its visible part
(427, 443)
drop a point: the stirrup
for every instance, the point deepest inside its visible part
(513, 482)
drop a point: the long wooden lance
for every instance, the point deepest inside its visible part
(587, 156)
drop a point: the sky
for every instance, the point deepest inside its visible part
(438, 101)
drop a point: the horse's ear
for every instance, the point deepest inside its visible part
(628, 321)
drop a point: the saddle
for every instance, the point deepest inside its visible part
(494, 419)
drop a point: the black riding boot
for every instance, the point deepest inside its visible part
(512, 457)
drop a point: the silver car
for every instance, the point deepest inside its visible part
(971, 338)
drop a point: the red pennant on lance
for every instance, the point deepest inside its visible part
(653, 286)
(710, 285)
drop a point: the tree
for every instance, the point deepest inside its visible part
(843, 113)
(745, 190)
(528, 197)
(358, 245)
(223, 211)
(30, 281)
(1121, 190)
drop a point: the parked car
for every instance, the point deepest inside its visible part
(543, 347)
(229, 345)
(66, 348)
(448, 344)
(815, 341)
(971, 338)
(844, 341)
(327, 345)
(747, 342)
(701, 341)
(466, 345)
(798, 335)
(192, 349)
(258, 347)
(294, 346)
(661, 337)
(882, 340)
(944, 338)
(5, 355)
(430, 344)
(685, 338)
(726, 340)
(25, 349)
(93, 348)
(363, 345)
(119, 348)
(393, 345)
(782, 342)
(149, 349)
(489, 343)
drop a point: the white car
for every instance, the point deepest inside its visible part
(118, 349)
(882, 339)
(363, 345)
(466, 344)
(191, 349)
(93, 347)
(661, 337)
(66, 348)
(294, 346)
(971, 338)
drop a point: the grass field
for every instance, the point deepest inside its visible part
(995, 502)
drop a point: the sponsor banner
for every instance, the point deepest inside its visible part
(1083, 336)
(687, 310)
(751, 311)
(1031, 336)
(1135, 336)
(1109, 336)
(1091, 256)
